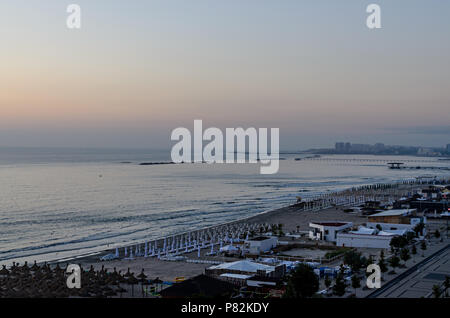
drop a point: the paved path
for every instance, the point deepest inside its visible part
(418, 281)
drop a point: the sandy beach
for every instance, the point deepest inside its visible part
(293, 219)
(169, 270)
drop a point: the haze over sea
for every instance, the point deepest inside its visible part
(61, 203)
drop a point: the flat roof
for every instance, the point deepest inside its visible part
(238, 276)
(393, 212)
(243, 266)
(260, 238)
(333, 224)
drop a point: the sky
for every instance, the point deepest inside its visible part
(136, 70)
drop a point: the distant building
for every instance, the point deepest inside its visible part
(428, 152)
(432, 193)
(244, 267)
(448, 148)
(327, 231)
(340, 147)
(401, 216)
(389, 226)
(361, 148)
(379, 147)
(348, 147)
(363, 239)
(373, 235)
(261, 244)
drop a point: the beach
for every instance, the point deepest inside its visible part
(165, 269)
(293, 219)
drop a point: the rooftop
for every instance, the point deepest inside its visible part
(237, 276)
(259, 238)
(403, 212)
(243, 266)
(332, 224)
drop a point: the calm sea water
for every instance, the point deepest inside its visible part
(65, 203)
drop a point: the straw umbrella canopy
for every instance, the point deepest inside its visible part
(35, 267)
(131, 280)
(4, 271)
(142, 276)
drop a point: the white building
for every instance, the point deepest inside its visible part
(244, 267)
(370, 237)
(399, 229)
(364, 240)
(327, 231)
(230, 249)
(261, 244)
(390, 226)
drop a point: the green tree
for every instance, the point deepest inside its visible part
(365, 261)
(302, 282)
(379, 227)
(414, 250)
(404, 254)
(423, 245)
(437, 234)
(418, 229)
(354, 260)
(356, 282)
(436, 291)
(394, 261)
(410, 236)
(382, 263)
(339, 284)
(398, 242)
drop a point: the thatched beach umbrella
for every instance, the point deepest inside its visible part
(132, 281)
(4, 270)
(142, 279)
(35, 267)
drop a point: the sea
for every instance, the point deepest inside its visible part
(67, 203)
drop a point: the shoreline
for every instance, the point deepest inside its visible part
(258, 218)
(368, 191)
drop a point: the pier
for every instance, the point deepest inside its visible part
(395, 165)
